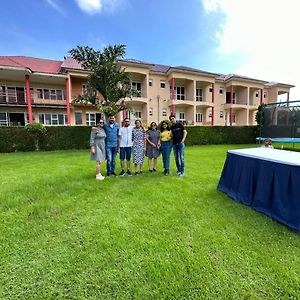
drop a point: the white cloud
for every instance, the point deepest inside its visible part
(56, 6)
(265, 32)
(90, 6)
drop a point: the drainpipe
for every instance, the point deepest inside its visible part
(213, 108)
(68, 102)
(158, 98)
(231, 103)
(28, 98)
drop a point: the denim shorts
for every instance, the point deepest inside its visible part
(125, 152)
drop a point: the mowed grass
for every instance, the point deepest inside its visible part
(64, 235)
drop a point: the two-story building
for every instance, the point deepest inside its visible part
(42, 90)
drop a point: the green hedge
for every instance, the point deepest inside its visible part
(205, 135)
(14, 139)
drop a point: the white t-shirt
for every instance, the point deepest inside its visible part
(126, 136)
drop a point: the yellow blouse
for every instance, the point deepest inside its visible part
(166, 136)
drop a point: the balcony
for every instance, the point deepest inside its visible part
(185, 102)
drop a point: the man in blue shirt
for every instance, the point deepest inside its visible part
(112, 130)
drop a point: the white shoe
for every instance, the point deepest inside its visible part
(99, 177)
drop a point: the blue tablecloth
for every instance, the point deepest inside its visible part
(268, 186)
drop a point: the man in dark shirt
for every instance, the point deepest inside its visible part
(179, 134)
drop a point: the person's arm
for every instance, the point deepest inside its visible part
(92, 140)
(184, 136)
(148, 141)
(119, 141)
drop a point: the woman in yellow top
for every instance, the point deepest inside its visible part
(166, 145)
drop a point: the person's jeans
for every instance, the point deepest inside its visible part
(111, 153)
(179, 156)
(166, 148)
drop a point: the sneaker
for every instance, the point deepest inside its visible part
(122, 173)
(150, 170)
(166, 172)
(129, 173)
(99, 177)
(178, 173)
(181, 174)
(154, 170)
(136, 173)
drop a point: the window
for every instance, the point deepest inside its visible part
(210, 114)
(179, 92)
(233, 118)
(265, 96)
(221, 114)
(164, 112)
(3, 119)
(137, 86)
(181, 116)
(199, 117)
(90, 119)
(256, 95)
(162, 84)
(150, 82)
(199, 95)
(84, 89)
(138, 114)
(210, 89)
(150, 111)
(78, 117)
(52, 94)
(221, 90)
(53, 119)
(128, 114)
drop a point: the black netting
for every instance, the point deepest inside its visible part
(281, 120)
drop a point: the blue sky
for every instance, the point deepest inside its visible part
(226, 36)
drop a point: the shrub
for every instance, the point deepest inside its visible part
(14, 139)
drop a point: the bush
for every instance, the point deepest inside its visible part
(14, 139)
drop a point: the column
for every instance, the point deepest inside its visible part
(68, 101)
(231, 103)
(261, 96)
(28, 98)
(173, 95)
(213, 101)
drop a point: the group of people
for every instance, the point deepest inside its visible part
(108, 139)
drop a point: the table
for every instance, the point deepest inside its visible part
(266, 179)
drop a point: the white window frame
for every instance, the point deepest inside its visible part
(162, 84)
(138, 114)
(181, 114)
(52, 93)
(199, 97)
(54, 118)
(221, 114)
(78, 112)
(4, 122)
(164, 112)
(199, 117)
(150, 82)
(150, 111)
(88, 120)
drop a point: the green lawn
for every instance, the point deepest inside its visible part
(64, 235)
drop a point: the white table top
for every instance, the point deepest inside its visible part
(274, 155)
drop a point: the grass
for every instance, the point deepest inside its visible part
(64, 235)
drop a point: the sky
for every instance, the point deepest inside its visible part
(256, 38)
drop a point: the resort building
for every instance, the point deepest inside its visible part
(42, 90)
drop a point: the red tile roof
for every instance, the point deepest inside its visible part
(34, 64)
(71, 63)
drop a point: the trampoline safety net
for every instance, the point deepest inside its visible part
(281, 120)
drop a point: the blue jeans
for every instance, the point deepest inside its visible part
(166, 148)
(179, 156)
(111, 153)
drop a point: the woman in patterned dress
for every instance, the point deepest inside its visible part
(97, 143)
(138, 146)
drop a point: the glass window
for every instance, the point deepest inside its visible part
(3, 119)
(150, 111)
(46, 94)
(164, 112)
(181, 116)
(53, 94)
(61, 119)
(221, 90)
(138, 114)
(39, 93)
(150, 82)
(59, 94)
(199, 95)
(162, 84)
(199, 117)
(221, 114)
(78, 117)
(54, 119)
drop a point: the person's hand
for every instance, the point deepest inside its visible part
(93, 150)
